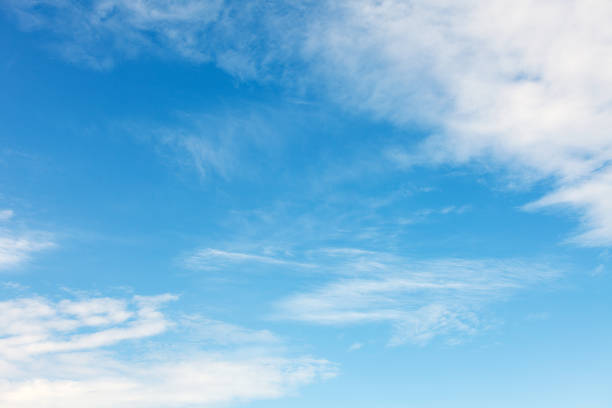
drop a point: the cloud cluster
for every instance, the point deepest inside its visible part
(519, 85)
(36, 326)
(67, 353)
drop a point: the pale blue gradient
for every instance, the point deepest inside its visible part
(241, 190)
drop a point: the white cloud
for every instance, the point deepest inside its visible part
(523, 85)
(33, 326)
(188, 381)
(592, 197)
(15, 250)
(16, 247)
(421, 300)
(66, 353)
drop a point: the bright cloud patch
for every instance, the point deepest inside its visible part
(15, 250)
(60, 353)
(523, 85)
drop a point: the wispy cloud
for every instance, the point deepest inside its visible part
(94, 27)
(101, 32)
(209, 331)
(420, 299)
(217, 143)
(592, 197)
(427, 213)
(214, 259)
(67, 354)
(15, 250)
(355, 346)
(17, 246)
(6, 214)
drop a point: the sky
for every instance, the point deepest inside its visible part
(369, 203)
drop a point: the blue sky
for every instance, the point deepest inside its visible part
(389, 204)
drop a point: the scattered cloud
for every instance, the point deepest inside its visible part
(420, 299)
(355, 346)
(519, 86)
(72, 353)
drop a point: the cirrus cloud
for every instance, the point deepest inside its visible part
(421, 300)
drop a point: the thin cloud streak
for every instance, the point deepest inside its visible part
(214, 259)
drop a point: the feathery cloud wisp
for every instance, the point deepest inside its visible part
(212, 259)
(421, 300)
